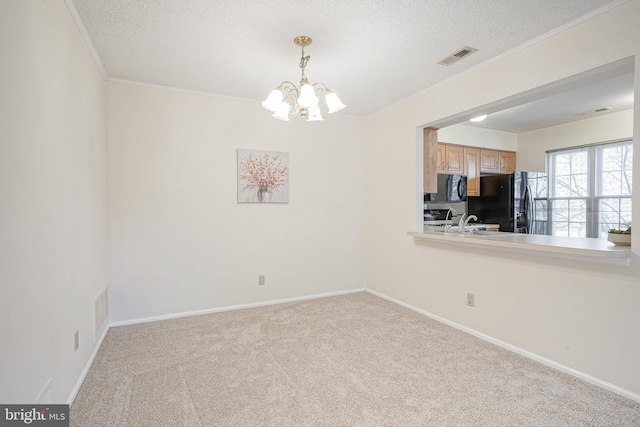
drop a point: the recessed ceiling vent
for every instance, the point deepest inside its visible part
(596, 111)
(458, 55)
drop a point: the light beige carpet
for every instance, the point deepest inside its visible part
(353, 360)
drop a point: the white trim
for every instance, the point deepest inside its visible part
(198, 92)
(548, 362)
(234, 307)
(510, 52)
(85, 371)
(178, 89)
(87, 40)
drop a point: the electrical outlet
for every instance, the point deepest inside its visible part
(76, 341)
(261, 279)
(471, 300)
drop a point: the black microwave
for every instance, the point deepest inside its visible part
(451, 188)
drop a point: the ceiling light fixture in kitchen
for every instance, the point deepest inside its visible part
(287, 100)
(479, 118)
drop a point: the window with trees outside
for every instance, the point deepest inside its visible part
(590, 189)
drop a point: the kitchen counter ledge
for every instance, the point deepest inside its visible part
(585, 249)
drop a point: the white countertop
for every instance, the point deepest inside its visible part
(435, 225)
(585, 248)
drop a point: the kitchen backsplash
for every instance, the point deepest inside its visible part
(442, 207)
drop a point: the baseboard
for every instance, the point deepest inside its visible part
(548, 362)
(234, 307)
(85, 371)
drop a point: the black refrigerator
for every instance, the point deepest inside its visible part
(517, 202)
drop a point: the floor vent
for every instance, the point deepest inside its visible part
(458, 55)
(46, 395)
(101, 313)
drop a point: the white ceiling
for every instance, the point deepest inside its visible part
(373, 53)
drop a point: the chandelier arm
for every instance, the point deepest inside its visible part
(287, 85)
(287, 88)
(322, 86)
(290, 94)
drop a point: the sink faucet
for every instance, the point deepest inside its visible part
(464, 221)
(447, 227)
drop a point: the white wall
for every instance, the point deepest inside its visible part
(478, 137)
(179, 241)
(577, 314)
(52, 199)
(533, 145)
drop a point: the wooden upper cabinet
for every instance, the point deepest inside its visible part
(472, 170)
(441, 158)
(450, 158)
(507, 162)
(489, 161)
(494, 161)
(454, 162)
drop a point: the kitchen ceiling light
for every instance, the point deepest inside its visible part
(479, 118)
(287, 100)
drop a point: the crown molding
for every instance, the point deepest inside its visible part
(87, 40)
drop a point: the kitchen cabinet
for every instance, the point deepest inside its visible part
(429, 160)
(489, 161)
(507, 162)
(454, 159)
(472, 170)
(494, 161)
(450, 159)
(441, 157)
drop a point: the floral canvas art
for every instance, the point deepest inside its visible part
(263, 176)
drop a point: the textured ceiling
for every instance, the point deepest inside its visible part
(373, 53)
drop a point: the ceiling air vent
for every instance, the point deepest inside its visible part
(458, 55)
(599, 110)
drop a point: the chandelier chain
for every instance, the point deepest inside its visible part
(303, 65)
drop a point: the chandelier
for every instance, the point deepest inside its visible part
(287, 100)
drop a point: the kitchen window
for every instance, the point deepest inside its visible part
(590, 189)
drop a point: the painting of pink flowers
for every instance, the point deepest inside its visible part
(263, 176)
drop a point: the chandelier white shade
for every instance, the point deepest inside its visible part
(288, 101)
